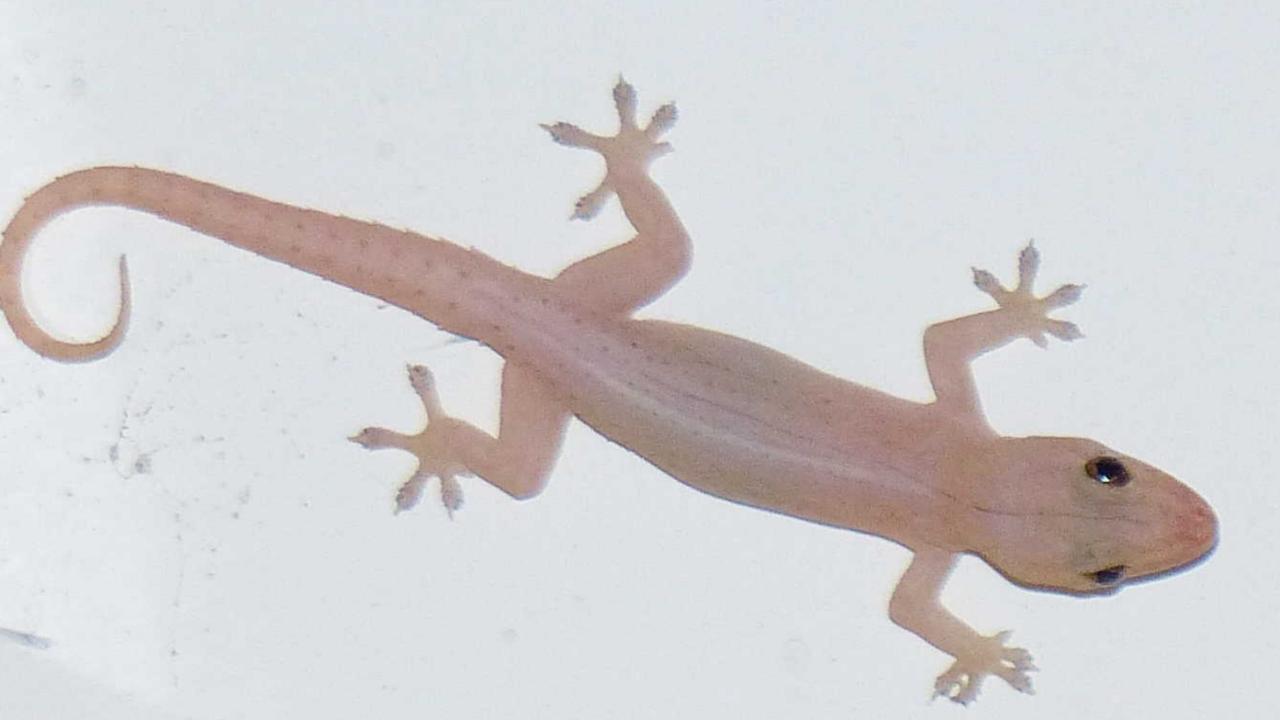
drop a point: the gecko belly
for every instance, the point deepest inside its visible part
(748, 424)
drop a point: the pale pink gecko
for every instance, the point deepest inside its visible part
(720, 414)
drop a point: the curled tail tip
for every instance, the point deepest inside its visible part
(45, 344)
(105, 345)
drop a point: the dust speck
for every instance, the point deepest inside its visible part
(796, 656)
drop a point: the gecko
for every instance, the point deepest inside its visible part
(720, 414)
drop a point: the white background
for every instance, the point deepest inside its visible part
(185, 520)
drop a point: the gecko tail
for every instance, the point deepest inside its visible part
(402, 268)
(66, 193)
(41, 341)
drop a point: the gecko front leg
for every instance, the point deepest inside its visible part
(950, 347)
(916, 606)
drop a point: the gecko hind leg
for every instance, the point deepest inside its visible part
(518, 461)
(636, 272)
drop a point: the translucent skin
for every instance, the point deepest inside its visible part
(723, 415)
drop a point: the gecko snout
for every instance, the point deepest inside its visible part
(1196, 526)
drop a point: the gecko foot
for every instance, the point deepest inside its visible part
(962, 681)
(431, 447)
(628, 152)
(1022, 301)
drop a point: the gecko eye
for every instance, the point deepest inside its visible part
(1109, 576)
(1107, 470)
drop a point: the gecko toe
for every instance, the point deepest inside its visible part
(1063, 296)
(1028, 266)
(589, 205)
(450, 494)
(410, 493)
(570, 135)
(1063, 330)
(662, 121)
(624, 99)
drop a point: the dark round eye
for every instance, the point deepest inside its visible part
(1107, 470)
(1110, 576)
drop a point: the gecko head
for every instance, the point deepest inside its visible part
(1072, 515)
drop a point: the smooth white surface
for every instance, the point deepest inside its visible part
(187, 523)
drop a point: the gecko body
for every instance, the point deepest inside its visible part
(723, 415)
